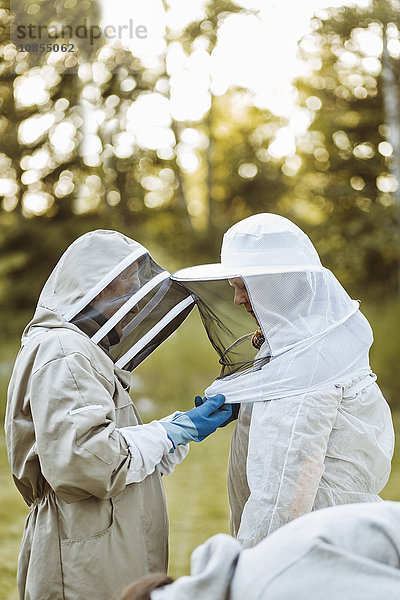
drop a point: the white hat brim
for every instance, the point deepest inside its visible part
(219, 271)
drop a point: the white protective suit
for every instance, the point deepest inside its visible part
(79, 455)
(338, 553)
(313, 429)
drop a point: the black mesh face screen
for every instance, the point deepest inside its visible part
(152, 309)
(135, 312)
(230, 328)
(158, 339)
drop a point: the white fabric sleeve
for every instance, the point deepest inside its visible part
(147, 444)
(288, 439)
(212, 566)
(170, 460)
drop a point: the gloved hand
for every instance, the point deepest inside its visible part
(198, 401)
(196, 424)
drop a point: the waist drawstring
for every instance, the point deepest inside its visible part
(359, 386)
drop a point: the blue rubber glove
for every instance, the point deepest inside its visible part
(196, 424)
(198, 401)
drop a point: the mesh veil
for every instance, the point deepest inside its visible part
(135, 312)
(229, 328)
(314, 333)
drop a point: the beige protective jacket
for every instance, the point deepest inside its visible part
(88, 533)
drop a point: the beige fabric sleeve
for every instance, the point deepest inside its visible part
(73, 412)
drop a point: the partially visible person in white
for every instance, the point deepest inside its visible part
(339, 553)
(314, 429)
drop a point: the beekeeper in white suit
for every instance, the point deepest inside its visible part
(314, 429)
(80, 456)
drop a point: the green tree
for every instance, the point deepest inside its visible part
(40, 162)
(156, 196)
(100, 175)
(345, 183)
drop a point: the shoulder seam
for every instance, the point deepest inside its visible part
(66, 356)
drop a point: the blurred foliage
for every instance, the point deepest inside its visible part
(345, 188)
(53, 192)
(82, 167)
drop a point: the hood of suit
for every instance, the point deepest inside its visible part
(108, 287)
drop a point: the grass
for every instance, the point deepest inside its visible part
(385, 318)
(13, 511)
(197, 498)
(196, 493)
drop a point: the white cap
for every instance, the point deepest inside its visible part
(263, 243)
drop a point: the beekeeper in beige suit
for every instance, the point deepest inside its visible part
(80, 457)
